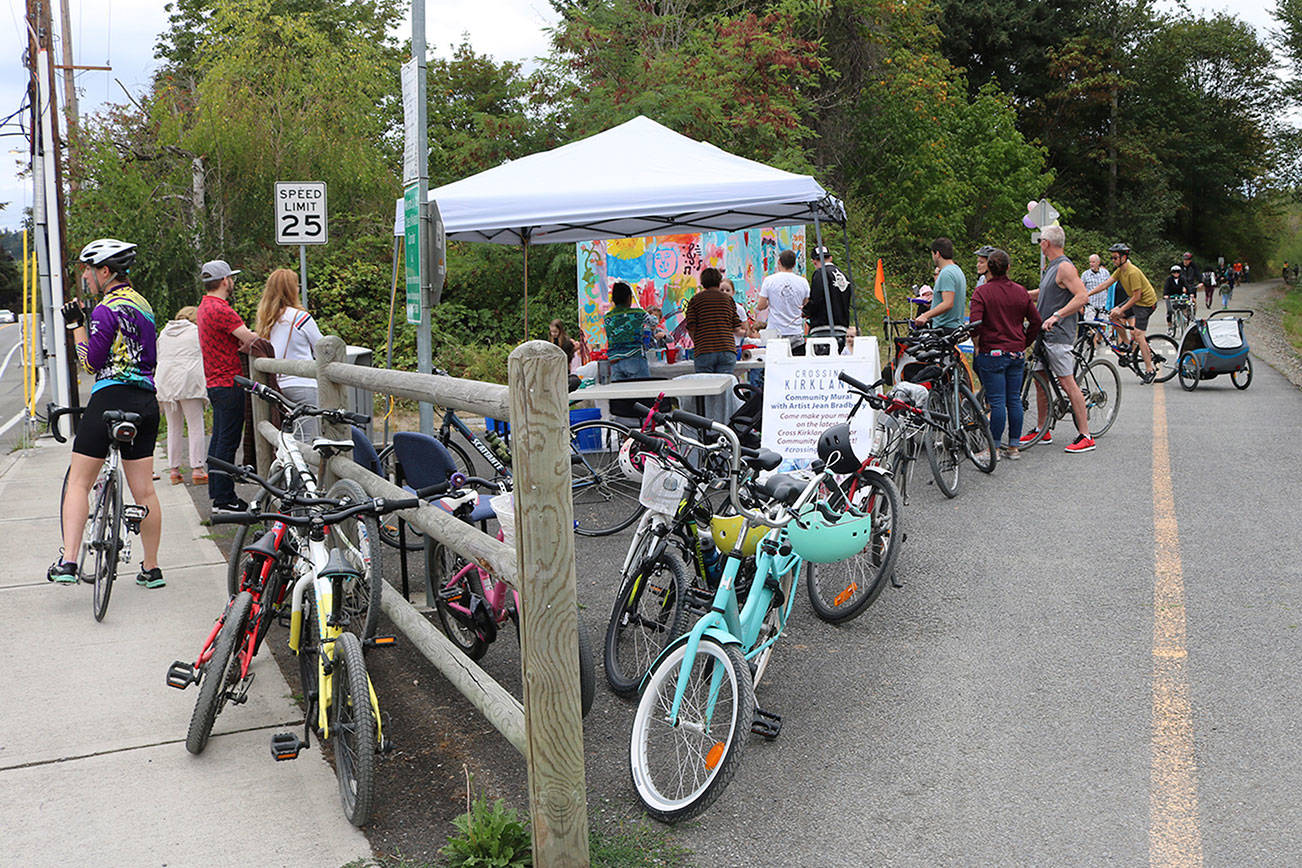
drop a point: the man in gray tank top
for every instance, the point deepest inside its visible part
(1060, 299)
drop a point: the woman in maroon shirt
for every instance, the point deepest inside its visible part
(1009, 324)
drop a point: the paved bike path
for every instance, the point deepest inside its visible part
(93, 765)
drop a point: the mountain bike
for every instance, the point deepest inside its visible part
(107, 538)
(341, 702)
(472, 604)
(698, 699)
(1098, 380)
(1162, 347)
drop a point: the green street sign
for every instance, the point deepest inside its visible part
(411, 231)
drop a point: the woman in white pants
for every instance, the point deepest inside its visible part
(293, 334)
(182, 394)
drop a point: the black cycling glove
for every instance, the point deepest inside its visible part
(73, 314)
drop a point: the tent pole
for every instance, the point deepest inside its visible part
(524, 243)
(827, 290)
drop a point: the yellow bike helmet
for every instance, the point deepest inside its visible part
(724, 529)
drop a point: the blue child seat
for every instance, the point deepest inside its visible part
(425, 461)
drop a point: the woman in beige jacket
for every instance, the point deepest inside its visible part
(181, 393)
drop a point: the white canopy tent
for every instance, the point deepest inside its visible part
(639, 178)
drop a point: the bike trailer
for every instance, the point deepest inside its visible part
(1217, 342)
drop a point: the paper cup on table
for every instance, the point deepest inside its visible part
(504, 506)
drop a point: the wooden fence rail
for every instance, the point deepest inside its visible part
(547, 728)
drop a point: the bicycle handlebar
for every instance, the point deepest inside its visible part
(52, 414)
(295, 411)
(378, 506)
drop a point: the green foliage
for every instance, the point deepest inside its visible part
(491, 835)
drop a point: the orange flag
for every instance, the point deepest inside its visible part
(879, 283)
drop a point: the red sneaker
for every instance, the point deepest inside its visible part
(1081, 444)
(1031, 435)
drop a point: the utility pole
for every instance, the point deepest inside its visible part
(69, 92)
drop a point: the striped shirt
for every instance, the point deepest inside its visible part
(711, 318)
(1091, 279)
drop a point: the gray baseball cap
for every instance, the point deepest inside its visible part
(216, 270)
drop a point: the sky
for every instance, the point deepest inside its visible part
(122, 34)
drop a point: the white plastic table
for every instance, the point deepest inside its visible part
(698, 387)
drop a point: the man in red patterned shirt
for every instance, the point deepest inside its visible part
(222, 337)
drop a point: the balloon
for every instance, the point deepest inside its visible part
(1030, 206)
(1028, 221)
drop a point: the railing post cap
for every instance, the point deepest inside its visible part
(330, 348)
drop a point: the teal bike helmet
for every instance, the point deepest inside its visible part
(821, 535)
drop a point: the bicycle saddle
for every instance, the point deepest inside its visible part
(783, 487)
(329, 448)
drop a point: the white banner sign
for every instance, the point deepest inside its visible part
(803, 397)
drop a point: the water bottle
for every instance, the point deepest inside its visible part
(710, 560)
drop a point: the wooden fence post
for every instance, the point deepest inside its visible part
(329, 394)
(263, 451)
(544, 521)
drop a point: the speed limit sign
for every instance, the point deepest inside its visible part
(301, 212)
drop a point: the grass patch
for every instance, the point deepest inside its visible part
(1290, 311)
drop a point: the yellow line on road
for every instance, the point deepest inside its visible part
(1173, 837)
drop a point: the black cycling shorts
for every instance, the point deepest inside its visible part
(1141, 315)
(92, 437)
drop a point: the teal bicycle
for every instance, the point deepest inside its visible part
(697, 703)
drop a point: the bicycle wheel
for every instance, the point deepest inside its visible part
(605, 500)
(357, 540)
(460, 625)
(247, 534)
(587, 671)
(942, 452)
(650, 610)
(1165, 353)
(841, 591)
(678, 771)
(352, 725)
(978, 443)
(1189, 372)
(1242, 378)
(388, 524)
(1100, 383)
(107, 543)
(1034, 387)
(219, 674)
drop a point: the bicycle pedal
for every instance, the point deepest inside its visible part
(286, 746)
(134, 513)
(240, 694)
(766, 723)
(381, 642)
(181, 675)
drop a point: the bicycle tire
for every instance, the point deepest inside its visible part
(107, 544)
(975, 425)
(605, 500)
(940, 455)
(1100, 383)
(1033, 381)
(1189, 372)
(773, 623)
(219, 673)
(678, 771)
(1242, 379)
(1166, 353)
(357, 541)
(246, 534)
(458, 627)
(650, 611)
(353, 729)
(309, 658)
(587, 671)
(388, 524)
(841, 592)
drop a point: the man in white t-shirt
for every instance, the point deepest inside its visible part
(783, 295)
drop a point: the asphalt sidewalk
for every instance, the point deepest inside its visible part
(93, 765)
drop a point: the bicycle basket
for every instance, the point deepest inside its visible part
(662, 488)
(820, 535)
(724, 529)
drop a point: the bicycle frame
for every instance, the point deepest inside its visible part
(451, 422)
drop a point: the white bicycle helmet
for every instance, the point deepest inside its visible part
(632, 458)
(116, 255)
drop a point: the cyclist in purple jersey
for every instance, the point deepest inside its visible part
(120, 349)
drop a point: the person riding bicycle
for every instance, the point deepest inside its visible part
(1138, 306)
(120, 348)
(1175, 291)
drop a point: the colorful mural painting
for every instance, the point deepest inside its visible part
(663, 272)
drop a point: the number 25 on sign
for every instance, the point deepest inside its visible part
(301, 212)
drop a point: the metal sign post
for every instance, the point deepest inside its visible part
(302, 219)
(415, 179)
